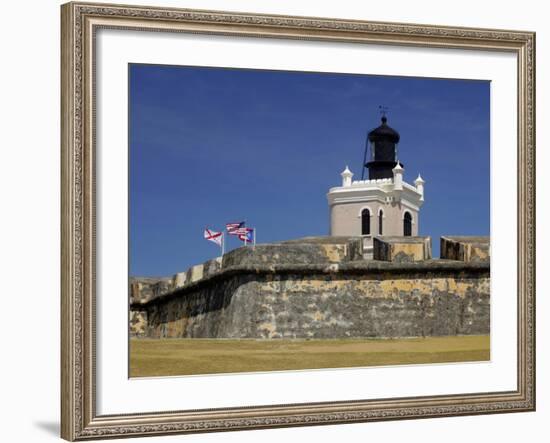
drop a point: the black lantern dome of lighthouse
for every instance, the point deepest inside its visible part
(384, 132)
(383, 142)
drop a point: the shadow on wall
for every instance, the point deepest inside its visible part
(49, 427)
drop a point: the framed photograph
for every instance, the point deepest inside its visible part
(277, 221)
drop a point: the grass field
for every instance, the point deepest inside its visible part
(161, 357)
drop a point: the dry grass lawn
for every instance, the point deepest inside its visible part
(162, 357)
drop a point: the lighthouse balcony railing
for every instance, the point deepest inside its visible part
(377, 181)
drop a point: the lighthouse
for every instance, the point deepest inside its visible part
(384, 204)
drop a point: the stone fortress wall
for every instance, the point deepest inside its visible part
(321, 287)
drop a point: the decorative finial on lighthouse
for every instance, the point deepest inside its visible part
(383, 111)
(398, 179)
(419, 183)
(346, 177)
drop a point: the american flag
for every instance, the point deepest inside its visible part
(213, 236)
(231, 227)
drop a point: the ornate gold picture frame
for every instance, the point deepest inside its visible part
(80, 23)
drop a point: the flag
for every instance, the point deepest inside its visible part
(213, 236)
(232, 226)
(240, 231)
(247, 236)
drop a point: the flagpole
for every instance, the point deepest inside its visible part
(254, 237)
(223, 243)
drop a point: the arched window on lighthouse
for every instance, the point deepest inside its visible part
(380, 221)
(365, 222)
(407, 224)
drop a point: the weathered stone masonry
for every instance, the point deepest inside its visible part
(268, 292)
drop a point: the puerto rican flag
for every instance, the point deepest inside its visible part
(213, 236)
(247, 236)
(232, 227)
(241, 231)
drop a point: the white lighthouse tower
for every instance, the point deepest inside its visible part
(384, 204)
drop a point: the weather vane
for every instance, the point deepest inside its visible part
(383, 110)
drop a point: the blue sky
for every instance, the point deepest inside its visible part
(212, 145)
